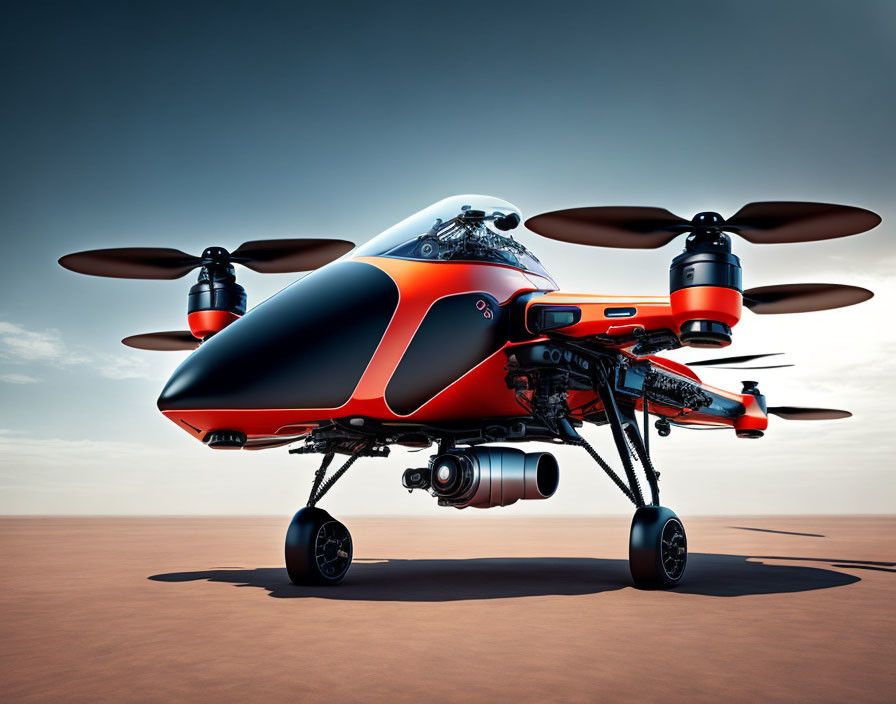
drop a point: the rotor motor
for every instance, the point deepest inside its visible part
(705, 280)
(753, 422)
(705, 286)
(216, 299)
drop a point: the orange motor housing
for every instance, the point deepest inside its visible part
(205, 323)
(706, 303)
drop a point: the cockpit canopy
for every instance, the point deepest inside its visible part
(460, 228)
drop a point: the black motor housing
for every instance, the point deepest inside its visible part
(214, 301)
(217, 295)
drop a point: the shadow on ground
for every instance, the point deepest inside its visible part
(778, 532)
(505, 577)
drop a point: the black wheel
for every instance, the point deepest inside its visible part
(318, 548)
(658, 548)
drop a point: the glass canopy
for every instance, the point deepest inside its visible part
(460, 228)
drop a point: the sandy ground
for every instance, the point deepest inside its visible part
(461, 608)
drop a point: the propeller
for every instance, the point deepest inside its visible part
(799, 413)
(732, 360)
(725, 362)
(767, 366)
(772, 222)
(795, 412)
(264, 256)
(174, 340)
(803, 298)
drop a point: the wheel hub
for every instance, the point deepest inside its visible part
(332, 549)
(673, 551)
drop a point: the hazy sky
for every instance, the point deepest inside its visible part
(192, 124)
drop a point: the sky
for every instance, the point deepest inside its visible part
(190, 124)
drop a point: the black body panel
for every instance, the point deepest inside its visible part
(457, 333)
(305, 347)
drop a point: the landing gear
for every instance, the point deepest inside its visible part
(318, 548)
(658, 548)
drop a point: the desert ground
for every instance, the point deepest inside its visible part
(465, 607)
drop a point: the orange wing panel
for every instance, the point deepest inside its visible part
(648, 312)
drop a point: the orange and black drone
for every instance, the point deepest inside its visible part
(445, 330)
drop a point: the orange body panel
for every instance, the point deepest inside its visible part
(651, 313)
(754, 418)
(421, 284)
(706, 303)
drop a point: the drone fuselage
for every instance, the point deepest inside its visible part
(398, 343)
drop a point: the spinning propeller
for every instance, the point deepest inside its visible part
(733, 362)
(172, 341)
(794, 412)
(800, 413)
(803, 298)
(216, 292)
(263, 256)
(751, 387)
(773, 222)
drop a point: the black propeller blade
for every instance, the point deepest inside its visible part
(732, 360)
(777, 222)
(648, 228)
(286, 256)
(132, 263)
(798, 413)
(174, 340)
(612, 226)
(767, 366)
(724, 362)
(265, 256)
(803, 298)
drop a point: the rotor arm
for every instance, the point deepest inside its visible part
(643, 324)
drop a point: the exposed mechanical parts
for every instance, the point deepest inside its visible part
(542, 375)
(675, 391)
(472, 235)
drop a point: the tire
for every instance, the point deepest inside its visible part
(318, 548)
(658, 548)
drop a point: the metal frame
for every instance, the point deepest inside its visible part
(362, 437)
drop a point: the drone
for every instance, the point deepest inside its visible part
(446, 333)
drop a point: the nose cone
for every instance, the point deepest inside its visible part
(305, 347)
